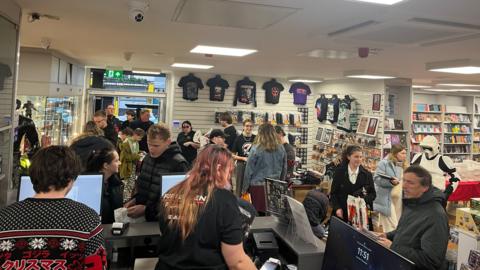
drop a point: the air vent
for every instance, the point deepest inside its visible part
(445, 23)
(352, 28)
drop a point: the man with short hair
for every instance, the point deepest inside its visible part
(229, 130)
(422, 232)
(111, 118)
(100, 119)
(163, 158)
(49, 231)
(130, 115)
(143, 123)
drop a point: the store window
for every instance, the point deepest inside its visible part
(120, 80)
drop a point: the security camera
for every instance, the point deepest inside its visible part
(137, 10)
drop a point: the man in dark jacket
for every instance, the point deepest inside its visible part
(143, 123)
(316, 207)
(422, 232)
(163, 158)
(100, 119)
(85, 146)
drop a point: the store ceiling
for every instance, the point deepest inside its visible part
(403, 37)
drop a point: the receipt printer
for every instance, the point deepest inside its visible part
(118, 228)
(265, 246)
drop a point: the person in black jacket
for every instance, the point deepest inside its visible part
(163, 158)
(316, 207)
(422, 232)
(106, 161)
(144, 123)
(100, 119)
(351, 178)
(229, 129)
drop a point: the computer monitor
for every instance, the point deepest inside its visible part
(349, 248)
(170, 180)
(87, 189)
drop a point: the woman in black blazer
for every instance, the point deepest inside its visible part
(351, 178)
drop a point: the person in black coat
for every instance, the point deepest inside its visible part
(316, 207)
(351, 178)
(106, 162)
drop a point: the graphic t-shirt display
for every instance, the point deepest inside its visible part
(346, 111)
(190, 85)
(245, 92)
(217, 88)
(219, 222)
(333, 108)
(321, 107)
(272, 91)
(300, 92)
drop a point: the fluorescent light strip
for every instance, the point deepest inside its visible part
(186, 65)
(222, 51)
(459, 70)
(421, 86)
(371, 77)
(305, 80)
(383, 2)
(459, 84)
(145, 72)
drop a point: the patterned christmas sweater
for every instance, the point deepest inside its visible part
(50, 234)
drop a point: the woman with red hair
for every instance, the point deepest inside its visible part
(200, 220)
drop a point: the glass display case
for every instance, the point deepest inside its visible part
(54, 117)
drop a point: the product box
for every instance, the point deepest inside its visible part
(468, 220)
(475, 204)
(474, 259)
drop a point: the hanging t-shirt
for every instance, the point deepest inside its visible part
(190, 85)
(321, 107)
(272, 91)
(333, 106)
(217, 88)
(345, 109)
(300, 92)
(245, 92)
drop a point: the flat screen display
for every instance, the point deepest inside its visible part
(87, 189)
(169, 181)
(348, 248)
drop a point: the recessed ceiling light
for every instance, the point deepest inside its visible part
(461, 66)
(146, 72)
(459, 84)
(222, 51)
(440, 90)
(362, 74)
(186, 65)
(304, 80)
(420, 86)
(383, 2)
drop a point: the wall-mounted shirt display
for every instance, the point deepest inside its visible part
(300, 92)
(272, 91)
(321, 107)
(217, 88)
(347, 110)
(333, 109)
(245, 92)
(190, 85)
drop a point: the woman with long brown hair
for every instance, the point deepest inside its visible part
(267, 158)
(388, 185)
(199, 218)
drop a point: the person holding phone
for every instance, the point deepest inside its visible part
(388, 202)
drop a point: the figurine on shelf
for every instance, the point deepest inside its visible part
(29, 106)
(437, 164)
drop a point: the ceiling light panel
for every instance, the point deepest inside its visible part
(382, 2)
(461, 66)
(305, 80)
(187, 65)
(222, 51)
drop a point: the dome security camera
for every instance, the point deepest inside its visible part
(137, 10)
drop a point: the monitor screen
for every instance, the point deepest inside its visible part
(87, 189)
(170, 180)
(348, 248)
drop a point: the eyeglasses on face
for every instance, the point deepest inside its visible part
(185, 126)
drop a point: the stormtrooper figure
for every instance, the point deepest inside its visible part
(438, 165)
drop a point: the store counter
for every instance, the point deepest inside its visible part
(306, 256)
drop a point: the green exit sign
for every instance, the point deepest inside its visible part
(114, 73)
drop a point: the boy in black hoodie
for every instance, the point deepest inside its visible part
(164, 157)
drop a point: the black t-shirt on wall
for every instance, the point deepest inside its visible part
(231, 135)
(217, 88)
(190, 85)
(272, 91)
(219, 222)
(242, 145)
